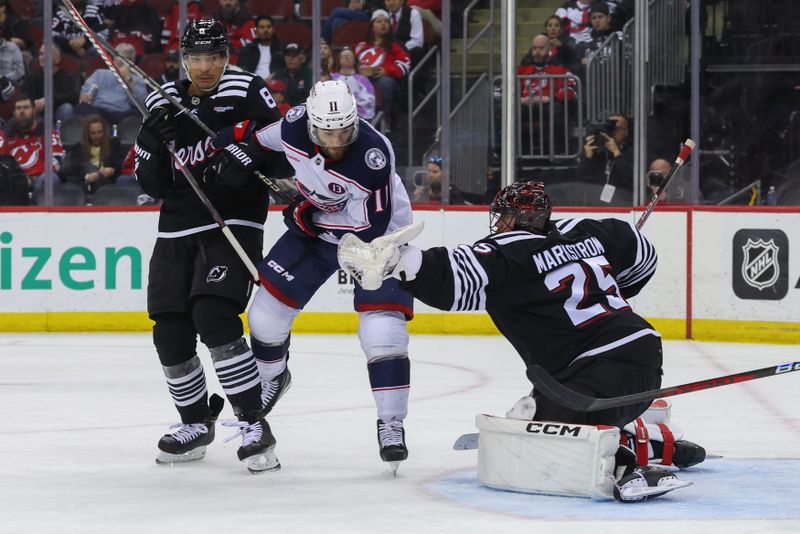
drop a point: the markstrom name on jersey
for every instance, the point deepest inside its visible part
(27, 267)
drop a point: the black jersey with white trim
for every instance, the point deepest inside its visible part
(240, 96)
(557, 297)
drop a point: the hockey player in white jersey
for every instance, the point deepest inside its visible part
(345, 172)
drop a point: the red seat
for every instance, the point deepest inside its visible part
(37, 36)
(92, 65)
(326, 6)
(294, 32)
(273, 8)
(209, 7)
(153, 64)
(23, 8)
(7, 107)
(71, 63)
(427, 33)
(350, 33)
(162, 7)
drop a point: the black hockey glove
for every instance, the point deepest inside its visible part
(157, 130)
(235, 165)
(299, 214)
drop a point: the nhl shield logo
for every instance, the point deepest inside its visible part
(375, 159)
(217, 273)
(760, 266)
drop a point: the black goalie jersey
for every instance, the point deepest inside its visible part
(239, 97)
(557, 298)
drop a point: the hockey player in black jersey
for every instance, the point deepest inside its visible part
(557, 290)
(197, 283)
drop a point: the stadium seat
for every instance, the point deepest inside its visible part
(37, 37)
(7, 107)
(128, 129)
(63, 195)
(162, 6)
(92, 65)
(294, 32)
(116, 195)
(326, 6)
(71, 64)
(72, 131)
(274, 8)
(209, 7)
(350, 33)
(23, 8)
(153, 64)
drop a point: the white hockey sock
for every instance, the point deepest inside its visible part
(269, 370)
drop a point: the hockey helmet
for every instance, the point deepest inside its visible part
(204, 36)
(527, 202)
(332, 106)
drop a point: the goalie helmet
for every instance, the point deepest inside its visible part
(527, 202)
(204, 36)
(332, 106)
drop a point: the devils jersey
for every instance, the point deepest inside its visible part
(557, 298)
(27, 149)
(240, 97)
(360, 194)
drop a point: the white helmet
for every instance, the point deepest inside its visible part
(331, 106)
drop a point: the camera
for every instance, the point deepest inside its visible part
(599, 128)
(655, 178)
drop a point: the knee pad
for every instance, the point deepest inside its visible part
(383, 334)
(175, 339)
(217, 320)
(270, 320)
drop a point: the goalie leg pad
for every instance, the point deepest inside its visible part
(547, 457)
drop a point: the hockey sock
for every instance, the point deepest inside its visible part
(238, 376)
(270, 357)
(187, 385)
(389, 379)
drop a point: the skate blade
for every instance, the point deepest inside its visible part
(638, 493)
(262, 463)
(393, 466)
(166, 458)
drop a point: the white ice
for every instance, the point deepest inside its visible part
(83, 413)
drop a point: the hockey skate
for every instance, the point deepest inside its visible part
(646, 482)
(188, 442)
(392, 443)
(273, 390)
(258, 445)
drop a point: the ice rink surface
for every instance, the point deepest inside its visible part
(83, 413)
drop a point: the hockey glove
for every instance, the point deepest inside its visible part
(157, 130)
(235, 165)
(299, 213)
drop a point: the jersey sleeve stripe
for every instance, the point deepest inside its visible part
(645, 263)
(470, 280)
(569, 224)
(230, 92)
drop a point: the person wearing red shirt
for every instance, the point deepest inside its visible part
(239, 25)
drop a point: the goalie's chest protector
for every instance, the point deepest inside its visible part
(343, 187)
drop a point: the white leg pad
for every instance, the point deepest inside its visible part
(270, 320)
(547, 457)
(382, 334)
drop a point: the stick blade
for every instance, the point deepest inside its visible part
(553, 390)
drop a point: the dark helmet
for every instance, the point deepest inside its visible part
(527, 201)
(204, 35)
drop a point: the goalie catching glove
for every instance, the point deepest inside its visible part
(371, 263)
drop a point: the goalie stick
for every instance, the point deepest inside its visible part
(100, 43)
(563, 395)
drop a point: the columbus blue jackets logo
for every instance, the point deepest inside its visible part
(760, 264)
(375, 159)
(217, 273)
(295, 113)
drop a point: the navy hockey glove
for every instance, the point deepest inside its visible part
(299, 214)
(157, 130)
(235, 165)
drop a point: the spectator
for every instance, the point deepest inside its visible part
(296, 75)
(406, 26)
(69, 37)
(355, 10)
(169, 33)
(97, 160)
(534, 91)
(434, 6)
(607, 156)
(238, 25)
(101, 92)
(562, 50)
(277, 89)
(12, 68)
(128, 168)
(575, 14)
(431, 11)
(326, 60)
(678, 190)
(25, 142)
(65, 87)
(383, 61)
(601, 30)
(430, 188)
(264, 55)
(137, 23)
(346, 69)
(172, 68)
(658, 170)
(15, 29)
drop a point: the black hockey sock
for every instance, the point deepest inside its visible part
(239, 378)
(187, 385)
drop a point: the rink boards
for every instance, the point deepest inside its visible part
(724, 274)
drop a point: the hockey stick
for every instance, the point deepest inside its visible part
(686, 149)
(98, 42)
(75, 15)
(563, 395)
